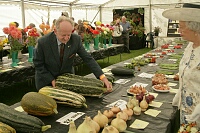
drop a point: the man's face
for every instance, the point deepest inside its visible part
(64, 32)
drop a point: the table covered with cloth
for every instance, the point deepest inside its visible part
(164, 122)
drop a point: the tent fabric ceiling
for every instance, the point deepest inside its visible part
(59, 3)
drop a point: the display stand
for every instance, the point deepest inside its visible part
(173, 28)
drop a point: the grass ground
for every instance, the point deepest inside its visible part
(14, 93)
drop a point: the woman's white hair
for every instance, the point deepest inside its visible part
(194, 26)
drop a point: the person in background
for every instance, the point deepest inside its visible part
(72, 18)
(75, 28)
(53, 24)
(81, 28)
(117, 32)
(65, 14)
(47, 56)
(125, 34)
(188, 97)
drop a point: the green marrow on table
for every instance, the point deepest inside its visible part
(81, 85)
(122, 71)
(20, 121)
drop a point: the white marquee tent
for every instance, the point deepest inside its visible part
(33, 11)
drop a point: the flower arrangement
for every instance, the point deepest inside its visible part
(105, 30)
(188, 128)
(14, 37)
(2, 42)
(45, 28)
(157, 29)
(32, 36)
(89, 33)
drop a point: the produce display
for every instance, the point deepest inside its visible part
(136, 90)
(176, 77)
(169, 66)
(159, 78)
(38, 104)
(165, 72)
(21, 122)
(64, 96)
(161, 88)
(81, 85)
(71, 90)
(76, 79)
(122, 71)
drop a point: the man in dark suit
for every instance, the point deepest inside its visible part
(47, 55)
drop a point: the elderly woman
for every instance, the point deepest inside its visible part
(188, 97)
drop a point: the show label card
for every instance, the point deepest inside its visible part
(72, 116)
(19, 108)
(152, 112)
(155, 104)
(119, 103)
(154, 94)
(139, 124)
(122, 81)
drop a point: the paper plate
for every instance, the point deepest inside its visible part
(129, 92)
(160, 90)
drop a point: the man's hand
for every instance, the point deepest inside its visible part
(107, 84)
(195, 114)
(53, 82)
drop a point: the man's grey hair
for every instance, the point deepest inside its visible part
(61, 19)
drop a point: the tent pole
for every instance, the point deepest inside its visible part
(150, 17)
(70, 9)
(100, 9)
(23, 13)
(48, 19)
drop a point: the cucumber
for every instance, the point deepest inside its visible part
(122, 71)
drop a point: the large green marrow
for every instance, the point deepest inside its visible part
(20, 121)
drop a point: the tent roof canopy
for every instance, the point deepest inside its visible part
(60, 3)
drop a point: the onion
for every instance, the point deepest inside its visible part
(101, 119)
(95, 125)
(137, 110)
(129, 112)
(109, 114)
(109, 129)
(123, 115)
(115, 110)
(134, 101)
(130, 103)
(119, 124)
(86, 126)
(143, 104)
(72, 127)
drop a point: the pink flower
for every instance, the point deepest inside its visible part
(6, 30)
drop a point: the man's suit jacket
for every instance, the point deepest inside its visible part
(47, 59)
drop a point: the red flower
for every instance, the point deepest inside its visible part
(95, 32)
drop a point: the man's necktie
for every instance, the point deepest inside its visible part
(62, 47)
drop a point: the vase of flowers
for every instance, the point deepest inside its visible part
(157, 30)
(14, 59)
(31, 41)
(110, 42)
(96, 43)
(2, 42)
(106, 33)
(89, 36)
(15, 40)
